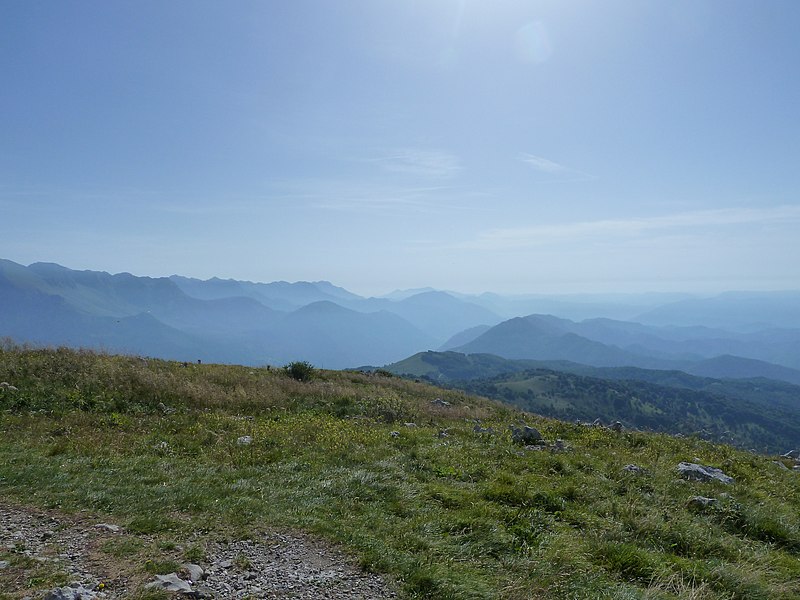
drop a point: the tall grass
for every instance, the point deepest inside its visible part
(444, 510)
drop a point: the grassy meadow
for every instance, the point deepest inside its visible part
(442, 510)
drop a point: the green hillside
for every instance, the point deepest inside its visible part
(765, 426)
(442, 508)
(755, 414)
(444, 367)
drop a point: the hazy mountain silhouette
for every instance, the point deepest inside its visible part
(609, 343)
(543, 337)
(253, 323)
(740, 311)
(335, 337)
(50, 304)
(279, 295)
(736, 367)
(30, 315)
(464, 337)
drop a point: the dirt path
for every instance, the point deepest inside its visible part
(42, 552)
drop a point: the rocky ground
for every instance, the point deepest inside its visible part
(52, 556)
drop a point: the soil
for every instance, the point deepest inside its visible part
(42, 551)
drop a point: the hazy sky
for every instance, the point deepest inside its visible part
(513, 146)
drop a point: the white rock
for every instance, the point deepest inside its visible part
(170, 583)
(696, 472)
(195, 572)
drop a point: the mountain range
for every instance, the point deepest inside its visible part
(225, 320)
(772, 353)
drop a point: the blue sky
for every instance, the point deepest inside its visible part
(512, 146)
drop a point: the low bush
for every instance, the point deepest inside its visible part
(300, 370)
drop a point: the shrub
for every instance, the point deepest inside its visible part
(300, 370)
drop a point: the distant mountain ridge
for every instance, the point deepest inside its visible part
(223, 320)
(610, 343)
(740, 311)
(538, 337)
(279, 295)
(227, 320)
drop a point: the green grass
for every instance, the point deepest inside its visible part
(153, 445)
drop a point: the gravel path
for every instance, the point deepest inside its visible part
(37, 544)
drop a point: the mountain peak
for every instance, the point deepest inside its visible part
(323, 307)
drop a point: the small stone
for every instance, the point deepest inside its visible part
(195, 572)
(75, 591)
(108, 527)
(635, 469)
(696, 472)
(616, 427)
(792, 454)
(226, 564)
(440, 402)
(410, 424)
(4, 564)
(700, 503)
(479, 429)
(525, 435)
(535, 448)
(245, 440)
(394, 434)
(170, 583)
(65, 593)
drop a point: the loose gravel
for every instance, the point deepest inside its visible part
(271, 565)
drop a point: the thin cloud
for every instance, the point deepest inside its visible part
(377, 204)
(420, 162)
(542, 164)
(626, 229)
(366, 196)
(550, 167)
(388, 200)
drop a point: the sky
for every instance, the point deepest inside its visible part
(514, 146)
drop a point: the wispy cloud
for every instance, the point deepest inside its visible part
(627, 229)
(552, 168)
(376, 197)
(388, 200)
(420, 162)
(542, 164)
(392, 202)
